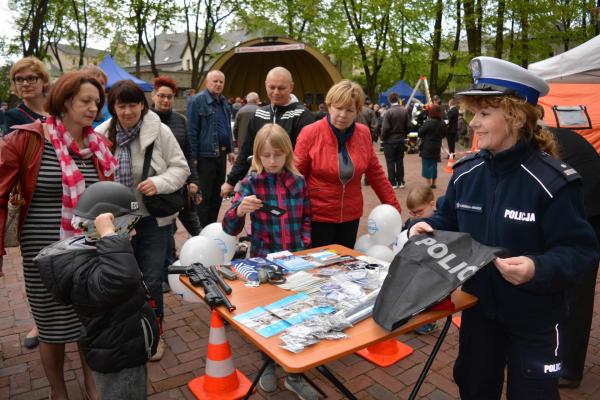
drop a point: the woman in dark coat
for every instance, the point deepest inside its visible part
(431, 144)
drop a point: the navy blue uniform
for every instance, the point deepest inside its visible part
(529, 203)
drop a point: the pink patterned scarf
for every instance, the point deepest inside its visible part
(73, 182)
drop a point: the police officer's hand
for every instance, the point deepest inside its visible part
(147, 187)
(226, 188)
(231, 158)
(418, 228)
(516, 270)
(248, 205)
(105, 225)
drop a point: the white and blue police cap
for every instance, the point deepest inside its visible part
(496, 77)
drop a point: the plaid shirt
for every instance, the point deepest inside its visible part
(270, 233)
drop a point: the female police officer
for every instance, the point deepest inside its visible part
(514, 194)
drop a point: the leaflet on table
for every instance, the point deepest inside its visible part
(276, 317)
(290, 261)
(247, 267)
(326, 257)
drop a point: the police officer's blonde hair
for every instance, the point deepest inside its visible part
(516, 109)
(279, 139)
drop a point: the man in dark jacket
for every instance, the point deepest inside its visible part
(575, 331)
(98, 275)
(243, 117)
(284, 110)
(209, 127)
(395, 127)
(452, 127)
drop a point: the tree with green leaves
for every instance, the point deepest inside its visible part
(201, 33)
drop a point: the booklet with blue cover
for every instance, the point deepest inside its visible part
(276, 317)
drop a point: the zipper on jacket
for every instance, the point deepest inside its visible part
(283, 218)
(344, 185)
(493, 203)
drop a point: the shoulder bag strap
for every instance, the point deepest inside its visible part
(147, 158)
(31, 118)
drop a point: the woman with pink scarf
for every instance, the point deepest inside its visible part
(67, 157)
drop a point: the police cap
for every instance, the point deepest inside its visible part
(496, 77)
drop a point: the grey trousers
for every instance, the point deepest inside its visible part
(127, 384)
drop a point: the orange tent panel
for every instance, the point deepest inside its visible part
(575, 94)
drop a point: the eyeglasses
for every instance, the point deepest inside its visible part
(31, 79)
(165, 96)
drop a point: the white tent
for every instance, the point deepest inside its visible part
(578, 65)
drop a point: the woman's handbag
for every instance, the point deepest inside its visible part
(161, 205)
(15, 199)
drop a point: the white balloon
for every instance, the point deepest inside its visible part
(384, 224)
(201, 249)
(363, 243)
(179, 289)
(381, 252)
(401, 240)
(225, 241)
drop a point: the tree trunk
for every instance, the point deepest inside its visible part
(37, 13)
(454, 57)
(524, 20)
(435, 51)
(500, 29)
(471, 27)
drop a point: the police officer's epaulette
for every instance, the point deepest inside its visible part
(552, 173)
(466, 158)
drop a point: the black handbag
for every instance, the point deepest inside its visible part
(161, 205)
(428, 269)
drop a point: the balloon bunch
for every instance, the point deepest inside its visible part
(384, 226)
(212, 247)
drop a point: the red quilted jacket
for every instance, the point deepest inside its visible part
(316, 155)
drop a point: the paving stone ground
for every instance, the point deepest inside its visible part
(186, 333)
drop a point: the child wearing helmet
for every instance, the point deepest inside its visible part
(98, 275)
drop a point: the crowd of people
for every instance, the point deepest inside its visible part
(96, 173)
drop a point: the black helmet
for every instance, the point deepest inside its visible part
(106, 197)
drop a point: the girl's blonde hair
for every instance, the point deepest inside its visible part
(515, 109)
(279, 139)
(418, 196)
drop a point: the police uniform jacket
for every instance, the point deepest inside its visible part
(531, 204)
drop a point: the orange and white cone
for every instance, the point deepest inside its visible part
(386, 353)
(450, 163)
(222, 380)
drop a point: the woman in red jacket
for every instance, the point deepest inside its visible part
(333, 154)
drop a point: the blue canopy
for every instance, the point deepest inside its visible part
(116, 73)
(403, 90)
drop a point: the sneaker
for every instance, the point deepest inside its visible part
(426, 329)
(165, 287)
(268, 380)
(401, 186)
(304, 390)
(433, 187)
(160, 350)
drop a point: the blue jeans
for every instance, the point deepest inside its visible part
(150, 246)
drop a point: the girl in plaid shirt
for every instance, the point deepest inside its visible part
(274, 181)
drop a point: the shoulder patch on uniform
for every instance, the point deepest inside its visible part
(552, 174)
(467, 158)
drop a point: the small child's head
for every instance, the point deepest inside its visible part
(105, 197)
(273, 150)
(420, 202)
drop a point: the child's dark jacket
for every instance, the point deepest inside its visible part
(103, 283)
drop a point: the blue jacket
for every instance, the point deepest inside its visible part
(528, 202)
(202, 124)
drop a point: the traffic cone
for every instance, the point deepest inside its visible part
(386, 353)
(450, 163)
(474, 142)
(456, 321)
(222, 380)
